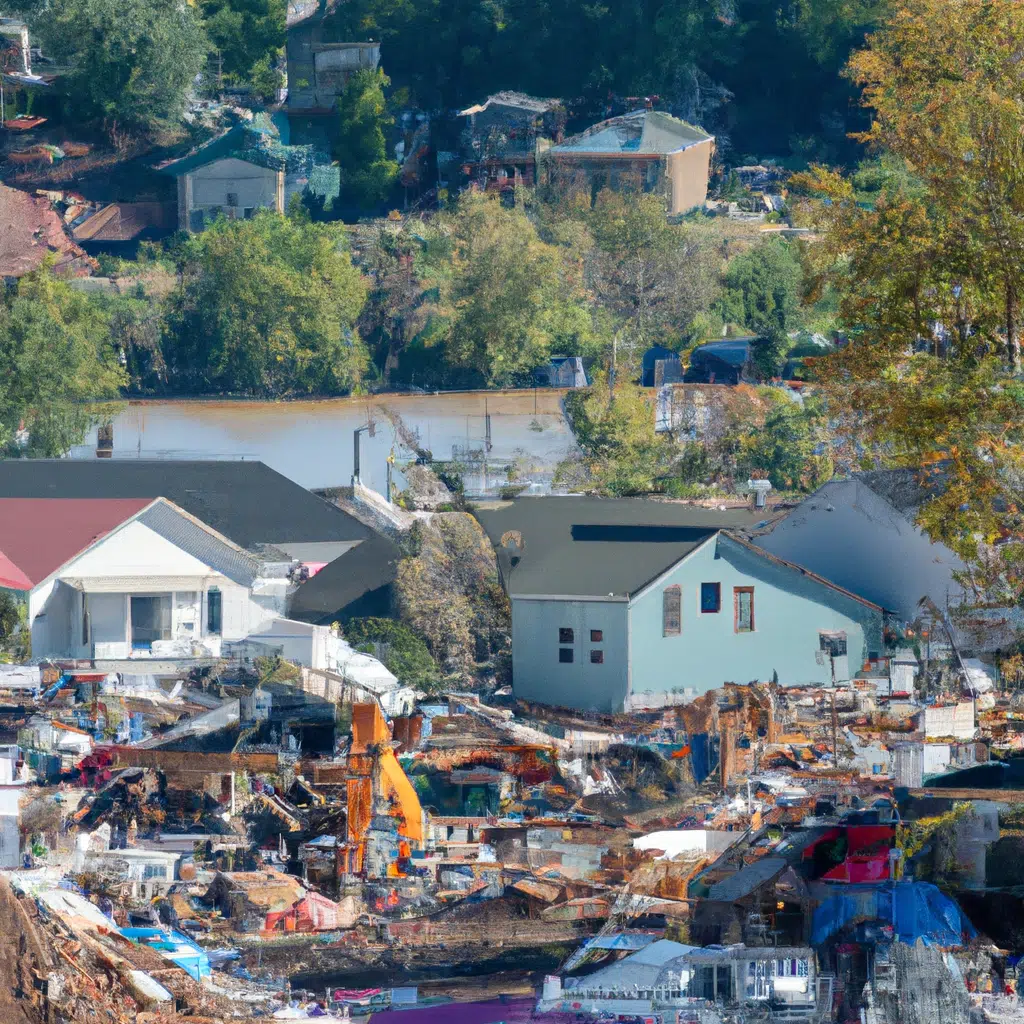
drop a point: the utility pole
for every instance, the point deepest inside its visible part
(835, 725)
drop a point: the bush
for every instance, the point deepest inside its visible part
(402, 651)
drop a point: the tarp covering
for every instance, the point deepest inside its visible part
(922, 911)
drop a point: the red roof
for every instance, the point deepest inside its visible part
(39, 535)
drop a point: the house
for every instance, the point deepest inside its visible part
(146, 872)
(645, 149)
(721, 362)
(667, 975)
(850, 533)
(342, 568)
(112, 579)
(247, 168)
(623, 603)
(500, 138)
(117, 227)
(248, 897)
(319, 64)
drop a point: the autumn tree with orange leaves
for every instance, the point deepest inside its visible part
(930, 276)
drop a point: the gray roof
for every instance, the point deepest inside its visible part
(641, 969)
(518, 100)
(747, 879)
(595, 547)
(648, 132)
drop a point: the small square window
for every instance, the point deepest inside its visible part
(597, 657)
(565, 635)
(232, 199)
(565, 655)
(596, 636)
(710, 598)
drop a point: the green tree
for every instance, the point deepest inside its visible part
(367, 173)
(249, 35)
(762, 288)
(56, 361)
(131, 62)
(402, 651)
(506, 300)
(619, 451)
(266, 306)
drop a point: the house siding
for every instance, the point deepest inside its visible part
(790, 609)
(687, 172)
(538, 674)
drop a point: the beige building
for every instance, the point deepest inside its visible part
(648, 149)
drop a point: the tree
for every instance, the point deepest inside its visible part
(55, 363)
(762, 288)
(249, 35)
(654, 277)
(620, 452)
(266, 306)
(132, 62)
(928, 277)
(402, 651)
(507, 300)
(367, 174)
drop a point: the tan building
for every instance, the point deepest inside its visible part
(647, 149)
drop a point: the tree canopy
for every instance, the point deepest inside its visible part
(266, 306)
(249, 35)
(367, 173)
(929, 275)
(131, 62)
(56, 360)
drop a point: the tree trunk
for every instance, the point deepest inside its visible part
(1012, 340)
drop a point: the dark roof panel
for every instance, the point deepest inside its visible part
(596, 547)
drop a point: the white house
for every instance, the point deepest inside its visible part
(111, 580)
(13, 779)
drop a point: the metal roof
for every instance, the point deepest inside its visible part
(642, 132)
(747, 879)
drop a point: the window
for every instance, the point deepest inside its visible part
(213, 612)
(247, 213)
(565, 655)
(596, 636)
(154, 871)
(833, 644)
(565, 635)
(232, 198)
(743, 599)
(85, 621)
(671, 611)
(597, 657)
(710, 597)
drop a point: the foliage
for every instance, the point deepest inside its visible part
(506, 299)
(55, 360)
(762, 288)
(653, 276)
(274, 669)
(620, 452)
(786, 447)
(401, 650)
(15, 637)
(131, 62)
(449, 593)
(940, 833)
(367, 174)
(930, 275)
(266, 306)
(249, 35)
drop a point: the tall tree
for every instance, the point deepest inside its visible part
(507, 299)
(367, 174)
(926, 277)
(249, 35)
(55, 363)
(266, 306)
(132, 62)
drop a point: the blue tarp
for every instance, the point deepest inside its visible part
(922, 911)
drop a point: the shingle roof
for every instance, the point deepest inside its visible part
(596, 547)
(248, 502)
(29, 231)
(38, 536)
(649, 132)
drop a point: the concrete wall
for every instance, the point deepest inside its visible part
(537, 673)
(687, 172)
(789, 611)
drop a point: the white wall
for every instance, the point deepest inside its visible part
(134, 551)
(253, 186)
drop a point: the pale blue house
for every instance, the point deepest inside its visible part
(628, 603)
